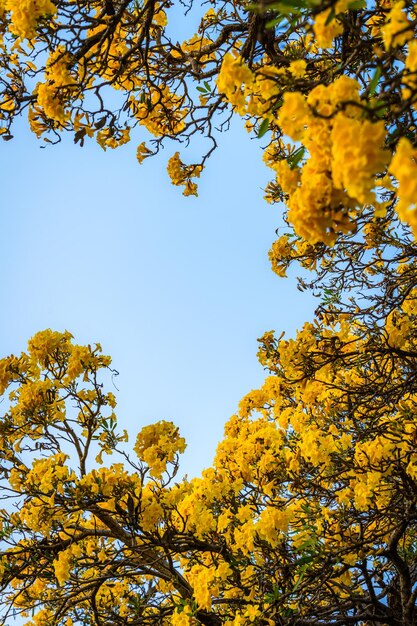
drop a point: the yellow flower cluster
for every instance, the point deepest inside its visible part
(397, 29)
(162, 113)
(410, 73)
(37, 123)
(10, 368)
(182, 618)
(251, 92)
(50, 103)
(357, 155)
(35, 399)
(181, 174)
(142, 152)
(345, 153)
(232, 81)
(326, 26)
(298, 68)
(290, 477)
(25, 15)
(46, 344)
(273, 523)
(399, 325)
(42, 617)
(62, 566)
(326, 29)
(50, 94)
(195, 44)
(194, 506)
(160, 17)
(108, 139)
(281, 251)
(49, 475)
(158, 444)
(404, 167)
(57, 68)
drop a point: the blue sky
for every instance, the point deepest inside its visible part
(176, 289)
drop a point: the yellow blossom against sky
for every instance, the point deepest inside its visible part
(165, 289)
(305, 513)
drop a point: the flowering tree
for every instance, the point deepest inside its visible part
(329, 87)
(308, 514)
(330, 75)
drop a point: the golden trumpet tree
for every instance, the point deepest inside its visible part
(329, 88)
(336, 78)
(308, 514)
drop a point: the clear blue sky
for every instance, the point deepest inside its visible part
(176, 289)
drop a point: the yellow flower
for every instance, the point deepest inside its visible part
(404, 168)
(162, 113)
(25, 15)
(397, 30)
(233, 79)
(298, 68)
(181, 174)
(142, 152)
(326, 29)
(62, 566)
(294, 115)
(158, 444)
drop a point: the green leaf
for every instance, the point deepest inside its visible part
(307, 545)
(287, 10)
(284, 7)
(330, 17)
(295, 158)
(300, 578)
(277, 104)
(292, 4)
(263, 128)
(305, 560)
(298, 4)
(274, 22)
(207, 86)
(374, 81)
(357, 4)
(201, 90)
(380, 108)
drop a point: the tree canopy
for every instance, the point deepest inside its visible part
(329, 88)
(308, 513)
(346, 68)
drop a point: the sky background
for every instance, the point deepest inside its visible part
(176, 289)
